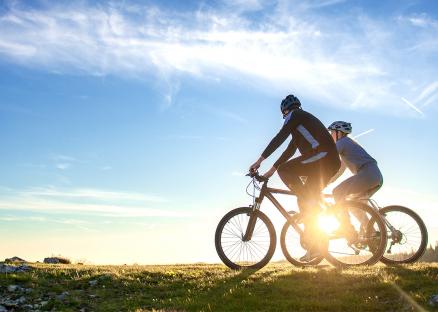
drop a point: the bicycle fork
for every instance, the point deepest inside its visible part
(252, 222)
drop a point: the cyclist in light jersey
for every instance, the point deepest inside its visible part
(367, 178)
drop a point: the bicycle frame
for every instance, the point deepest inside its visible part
(268, 192)
(373, 204)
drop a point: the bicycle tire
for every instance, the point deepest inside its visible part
(295, 247)
(379, 242)
(219, 235)
(412, 257)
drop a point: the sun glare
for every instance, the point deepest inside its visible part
(328, 223)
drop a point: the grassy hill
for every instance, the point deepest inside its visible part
(277, 287)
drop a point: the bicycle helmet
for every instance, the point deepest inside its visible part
(341, 126)
(289, 102)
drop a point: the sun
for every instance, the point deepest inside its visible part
(328, 223)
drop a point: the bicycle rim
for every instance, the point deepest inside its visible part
(408, 239)
(238, 254)
(291, 246)
(364, 246)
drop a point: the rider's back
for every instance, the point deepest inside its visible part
(308, 132)
(353, 155)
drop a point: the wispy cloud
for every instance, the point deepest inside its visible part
(81, 224)
(91, 194)
(284, 49)
(86, 201)
(421, 20)
(415, 108)
(363, 133)
(60, 157)
(429, 94)
(63, 162)
(226, 114)
(63, 166)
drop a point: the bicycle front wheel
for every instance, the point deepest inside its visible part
(363, 246)
(407, 239)
(290, 242)
(237, 253)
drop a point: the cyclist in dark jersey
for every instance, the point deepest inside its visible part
(309, 173)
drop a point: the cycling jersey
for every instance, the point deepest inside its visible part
(352, 154)
(309, 136)
(366, 179)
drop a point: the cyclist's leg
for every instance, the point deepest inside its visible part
(317, 174)
(298, 177)
(358, 186)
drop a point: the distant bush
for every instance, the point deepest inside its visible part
(57, 259)
(431, 254)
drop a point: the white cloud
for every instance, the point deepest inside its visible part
(94, 194)
(86, 201)
(428, 93)
(244, 5)
(363, 133)
(19, 50)
(415, 108)
(283, 50)
(109, 210)
(63, 166)
(60, 157)
(422, 20)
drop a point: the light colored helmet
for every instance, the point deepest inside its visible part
(341, 126)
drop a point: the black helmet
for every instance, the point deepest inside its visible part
(289, 102)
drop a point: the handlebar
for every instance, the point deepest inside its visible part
(257, 176)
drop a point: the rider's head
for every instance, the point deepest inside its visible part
(289, 103)
(339, 129)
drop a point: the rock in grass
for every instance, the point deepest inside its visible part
(62, 296)
(12, 288)
(21, 300)
(7, 268)
(44, 303)
(15, 259)
(56, 260)
(3, 309)
(433, 301)
(4, 268)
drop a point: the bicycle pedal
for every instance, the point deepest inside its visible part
(356, 251)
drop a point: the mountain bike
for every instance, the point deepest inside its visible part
(245, 237)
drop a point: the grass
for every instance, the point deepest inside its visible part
(277, 287)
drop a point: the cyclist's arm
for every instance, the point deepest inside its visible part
(339, 173)
(287, 154)
(278, 140)
(340, 148)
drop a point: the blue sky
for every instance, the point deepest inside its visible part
(126, 127)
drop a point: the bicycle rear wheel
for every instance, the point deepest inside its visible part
(239, 254)
(408, 239)
(291, 245)
(364, 247)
